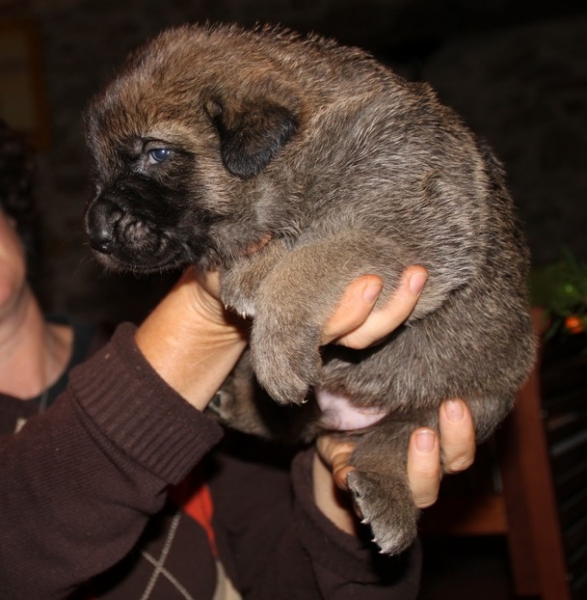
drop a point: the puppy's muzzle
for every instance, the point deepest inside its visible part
(110, 227)
(118, 236)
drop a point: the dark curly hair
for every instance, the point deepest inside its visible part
(16, 186)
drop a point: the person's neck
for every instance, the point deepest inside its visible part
(33, 353)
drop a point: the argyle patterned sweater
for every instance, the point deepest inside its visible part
(121, 490)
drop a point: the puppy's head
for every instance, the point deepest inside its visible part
(179, 141)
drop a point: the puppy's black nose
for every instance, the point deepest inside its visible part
(101, 241)
(101, 220)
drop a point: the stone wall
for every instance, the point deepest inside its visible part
(521, 84)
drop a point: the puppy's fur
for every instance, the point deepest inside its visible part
(294, 166)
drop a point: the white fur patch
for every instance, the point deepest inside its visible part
(339, 414)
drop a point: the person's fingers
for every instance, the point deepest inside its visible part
(456, 444)
(424, 470)
(380, 323)
(336, 454)
(457, 434)
(354, 308)
(340, 471)
(355, 324)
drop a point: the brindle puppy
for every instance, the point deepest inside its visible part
(294, 166)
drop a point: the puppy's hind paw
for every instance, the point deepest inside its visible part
(388, 510)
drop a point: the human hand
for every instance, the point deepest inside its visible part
(193, 342)
(190, 339)
(355, 324)
(429, 457)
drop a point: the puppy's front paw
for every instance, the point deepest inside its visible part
(240, 284)
(388, 509)
(285, 375)
(282, 380)
(236, 295)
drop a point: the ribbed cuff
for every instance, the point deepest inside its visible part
(137, 411)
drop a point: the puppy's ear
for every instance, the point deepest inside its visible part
(252, 134)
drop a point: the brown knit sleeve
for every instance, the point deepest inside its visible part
(80, 481)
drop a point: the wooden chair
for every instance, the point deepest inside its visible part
(530, 484)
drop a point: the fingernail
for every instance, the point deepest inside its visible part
(454, 410)
(425, 441)
(417, 282)
(371, 292)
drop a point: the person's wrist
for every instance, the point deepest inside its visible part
(205, 314)
(191, 342)
(334, 503)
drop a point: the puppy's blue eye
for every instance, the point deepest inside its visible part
(158, 155)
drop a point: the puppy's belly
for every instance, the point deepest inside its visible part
(339, 414)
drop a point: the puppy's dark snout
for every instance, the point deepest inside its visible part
(101, 223)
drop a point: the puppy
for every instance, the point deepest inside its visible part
(295, 165)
